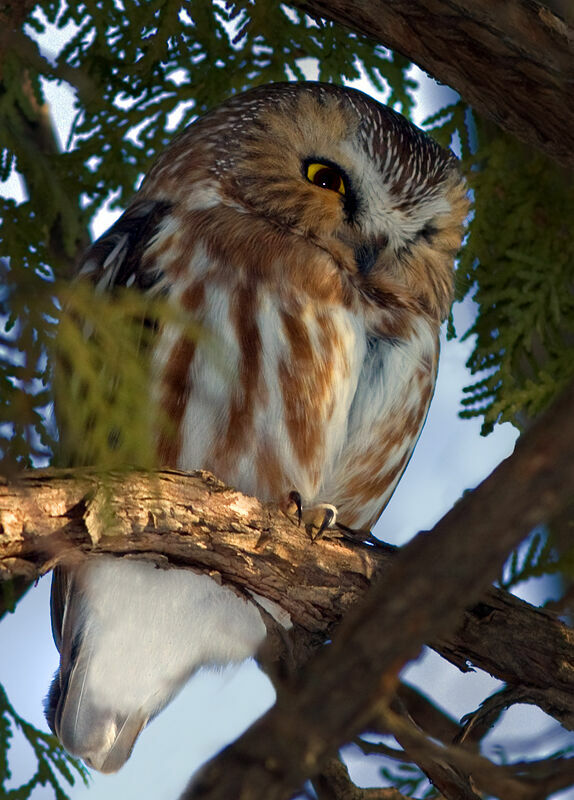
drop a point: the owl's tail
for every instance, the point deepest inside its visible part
(130, 636)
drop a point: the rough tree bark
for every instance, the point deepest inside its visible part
(513, 61)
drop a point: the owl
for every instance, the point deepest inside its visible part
(312, 232)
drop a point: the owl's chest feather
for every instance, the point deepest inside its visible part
(262, 399)
(280, 391)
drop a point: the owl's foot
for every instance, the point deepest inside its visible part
(317, 519)
(320, 520)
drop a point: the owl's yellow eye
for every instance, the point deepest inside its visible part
(326, 177)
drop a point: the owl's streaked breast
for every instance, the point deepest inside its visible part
(262, 398)
(286, 388)
(386, 417)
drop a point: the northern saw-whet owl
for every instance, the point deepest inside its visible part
(313, 232)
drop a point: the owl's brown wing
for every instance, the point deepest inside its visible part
(116, 258)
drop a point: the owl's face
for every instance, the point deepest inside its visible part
(341, 172)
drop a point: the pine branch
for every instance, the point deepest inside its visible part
(512, 61)
(34, 129)
(11, 592)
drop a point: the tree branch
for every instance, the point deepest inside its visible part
(512, 61)
(334, 783)
(521, 781)
(52, 516)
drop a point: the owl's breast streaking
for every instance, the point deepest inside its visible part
(311, 233)
(299, 382)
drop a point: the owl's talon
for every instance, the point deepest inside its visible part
(294, 499)
(319, 519)
(329, 517)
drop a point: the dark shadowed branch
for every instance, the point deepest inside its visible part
(512, 61)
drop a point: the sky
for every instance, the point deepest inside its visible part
(215, 707)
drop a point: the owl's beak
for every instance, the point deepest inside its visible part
(367, 253)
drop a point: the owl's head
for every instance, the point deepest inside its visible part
(331, 168)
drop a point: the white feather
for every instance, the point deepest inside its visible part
(151, 628)
(145, 632)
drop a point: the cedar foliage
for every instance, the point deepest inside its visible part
(138, 73)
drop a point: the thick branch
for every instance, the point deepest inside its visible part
(51, 516)
(513, 61)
